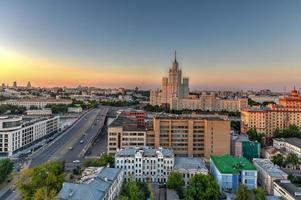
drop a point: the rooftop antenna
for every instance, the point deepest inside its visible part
(175, 55)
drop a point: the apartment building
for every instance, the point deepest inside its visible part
(37, 102)
(145, 164)
(286, 190)
(230, 171)
(95, 184)
(191, 135)
(266, 120)
(17, 133)
(125, 131)
(268, 173)
(289, 145)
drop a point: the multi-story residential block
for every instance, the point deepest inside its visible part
(191, 135)
(268, 173)
(189, 166)
(96, 184)
(37, 102)
(145, 164)
(286, 190)
(275, 116)
(123, 132)
(139, 114)
(230, 171)
(17, 134)
(174, 94)
(39, 112)
(289, 145)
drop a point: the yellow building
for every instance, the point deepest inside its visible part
(194, 135)
(266, 120)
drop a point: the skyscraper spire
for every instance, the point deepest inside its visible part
(175, 55)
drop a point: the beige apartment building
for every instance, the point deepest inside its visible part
(194, 135)
(266, 120)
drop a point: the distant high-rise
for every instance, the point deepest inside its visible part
(29, 85)
(15, 84)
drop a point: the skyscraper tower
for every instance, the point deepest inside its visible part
(28, 85)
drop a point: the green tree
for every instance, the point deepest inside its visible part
(202, 187)
(293, 159)
(254, 136)
(41, 181)
(103, 161)
(278, 160)
(6, 167)
(242, 193)
(131, 191)
(259, 194)
(175, 182)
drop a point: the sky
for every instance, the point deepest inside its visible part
(220, 44)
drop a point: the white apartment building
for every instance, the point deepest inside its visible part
(145, 164)
(17, 134)
(286, 190)
(267, 173)
(37, 102)
(124, 132)
(290, 145)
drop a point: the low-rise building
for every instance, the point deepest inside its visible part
(145, 164)
(230, 171)
(39, 112)
(75, 109)
(267, 173)
(96, 184)
(289, 145)
(242, 146)
(17, 134)
(37, 102)
(189, 166)
(123, 132)
(286, 190)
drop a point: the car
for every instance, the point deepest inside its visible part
(70, 148)
(82, 141)
(76, 161)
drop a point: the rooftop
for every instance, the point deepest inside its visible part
(293, 141)
(128, 123)
(146, 152)
(93, 190)
(228, 164)
(290, 188)
(188, 163)
(271, 169)
(191, 116)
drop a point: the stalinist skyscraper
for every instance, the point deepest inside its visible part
(173, 88)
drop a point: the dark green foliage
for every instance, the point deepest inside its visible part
(41, 182)
(255, 194)
(291, 131)
(278, 160)
(175, 182)
(132, 191)
(6, 167)
(103, 161)
(59, 108)
(254, 136)
(151, 108)
(253, 103)
(14, 110)
(202, 187)
(235, 125)
(292, 159)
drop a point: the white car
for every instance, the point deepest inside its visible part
(76, 161)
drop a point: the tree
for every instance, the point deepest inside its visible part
(131, 191)
(42, 181)
(103, 161)
(293, 160)
(175, 182)
(259, 194)
(278, 160)
(242, 193)
(254, 136)
(6, 167)
(202, 187)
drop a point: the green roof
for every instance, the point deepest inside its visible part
(228, 164)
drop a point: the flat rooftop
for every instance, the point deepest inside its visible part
(146, 152)
(289, 188)
(187, 163)
(271, 169)
(228, 164)
(129, 123)
(191, 116)
(293, 141)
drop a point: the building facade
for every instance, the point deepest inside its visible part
(266, 120)
(17, 134)
(286, 190)
(37, 102)
(289, 145)
(191, 135)
(145, 164)
(268, 173)
(230, 171)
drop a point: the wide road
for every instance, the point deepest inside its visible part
(68, 147)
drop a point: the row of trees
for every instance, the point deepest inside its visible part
(135, 191)
(14, 110)
(103, 161)
(200, 187)
(6, 167)
(42, 182)
(244, 194)
(291, 131)
(291, 160)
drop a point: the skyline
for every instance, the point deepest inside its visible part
(233, 45)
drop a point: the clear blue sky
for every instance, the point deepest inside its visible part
(220, 44)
